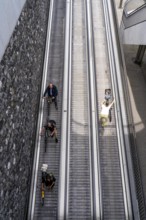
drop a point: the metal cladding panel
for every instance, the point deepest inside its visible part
(133, 27)
(9, 14)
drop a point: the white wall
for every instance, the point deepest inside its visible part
(134, 35)
(9, 13)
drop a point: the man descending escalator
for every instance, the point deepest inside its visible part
(52, 92)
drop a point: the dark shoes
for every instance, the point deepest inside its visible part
(56, 140)
(56, 106)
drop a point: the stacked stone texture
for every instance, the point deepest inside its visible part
(20, 81)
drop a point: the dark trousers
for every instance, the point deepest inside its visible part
(54, 100)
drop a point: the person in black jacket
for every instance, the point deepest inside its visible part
(51, 128)
(48, 178)
(52, 93)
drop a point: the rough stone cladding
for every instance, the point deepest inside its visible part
(20, 80)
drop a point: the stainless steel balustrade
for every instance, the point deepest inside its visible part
(65, 126)
(94, 139)
(69, 114)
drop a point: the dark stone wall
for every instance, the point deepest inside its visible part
(20, 80)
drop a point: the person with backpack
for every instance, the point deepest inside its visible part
(48, 179)
(51, 128)
(52, 93)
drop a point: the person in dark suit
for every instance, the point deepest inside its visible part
(52, 93)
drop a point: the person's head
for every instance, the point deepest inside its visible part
(107, 91)
(106, 104)
(50, 85)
